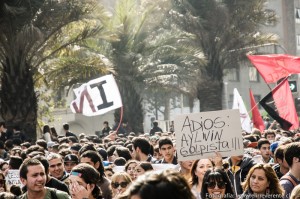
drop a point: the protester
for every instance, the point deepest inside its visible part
(262, 182)
(155, 129)
(83, 182)
(119, 183)
(33, 176)
(216, 185)
(167, 184)
(130, 168)
(166, 148)
(142, 168)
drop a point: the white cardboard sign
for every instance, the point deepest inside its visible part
(200, 135)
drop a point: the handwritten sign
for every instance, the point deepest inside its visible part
(200, 135)
(13, 178)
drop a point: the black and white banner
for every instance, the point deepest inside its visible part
(97, 97)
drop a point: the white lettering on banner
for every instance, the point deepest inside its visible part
(200, 135)
(97, 97)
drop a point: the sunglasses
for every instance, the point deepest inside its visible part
(116, 184)
(213, 184)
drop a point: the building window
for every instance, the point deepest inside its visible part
(253, 74)
(230, 102)
(297, 15)
(233, 74)
(298, 42)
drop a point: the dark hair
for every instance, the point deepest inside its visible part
(42, 143)
(216, 175)
(35, 148)
(120, 161)
(46, 129)
(103, 153)
(130, 162)
(87, 147)
(279, 152)
(44, 162)
(2, 164)
(90, 176)
(123, 152)
(163, 141)
(110, 150)
(24, 167)
(262, 141)
(105, 122)
(147, 166)
(167, 184)
(16, 190)
(1, 145)
(292, 150)
(270, 132)
(142, 143)
(15, 162)
(73, 139)
(66, 126)
(95, 157)
(53, 131)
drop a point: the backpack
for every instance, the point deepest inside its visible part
(289, 178)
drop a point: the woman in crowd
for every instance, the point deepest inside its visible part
(83, 182)
(198, 170)
(109, 172)
(185, 169)
(142, 168)
(119, 183)
(216, 185)
(47, 133)
(295, 193)
(262, 182)
(130, 168)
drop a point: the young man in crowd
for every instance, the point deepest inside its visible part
(263, 146)
(141, 149)
(167, 151)
(33, 176)
(56, 167)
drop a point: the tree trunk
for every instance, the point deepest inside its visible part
(18, 98)
(132, 106)
(210, 95)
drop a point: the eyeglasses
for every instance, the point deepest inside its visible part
(212, 184)
(116, 184)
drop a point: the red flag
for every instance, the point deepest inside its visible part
(256, 117)
(284, 111)
(274, 67)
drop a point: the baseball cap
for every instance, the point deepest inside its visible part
(71, 158)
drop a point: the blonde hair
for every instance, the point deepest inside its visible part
(296, 192)
(122, 175)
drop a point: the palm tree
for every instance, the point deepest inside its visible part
(30, 33)
(219, 29)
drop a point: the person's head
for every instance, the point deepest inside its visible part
(87, 147)
(16, 151)
(155, 124)
(292, 154)
(295, 193)
(270, 135)
(262, 179)
(53, 131)
(130, 168)
(167, 184)
(105, 123)
(199, 168)
(121, 151)
(15, 162)
(263, 146)
(3, 166)
(120, 182)
(32, 175)
(70, 161)
(142, 168)
(279, 157)
(46, 129)
(186, 165)
(140, 146)
(216, 184)
(166, 148)
(120, 161)
(66, 126)
(72, 140)
(56, 165)
(75, 149)
(94, 159)
(42, 143)
(109, 172)
(44, 162)
(2, 183)
(86, 176)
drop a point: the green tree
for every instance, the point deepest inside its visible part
(31, 32)
(220, 29)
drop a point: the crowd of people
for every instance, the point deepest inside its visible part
(124, 165)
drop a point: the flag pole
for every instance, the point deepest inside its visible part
(121, 118)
